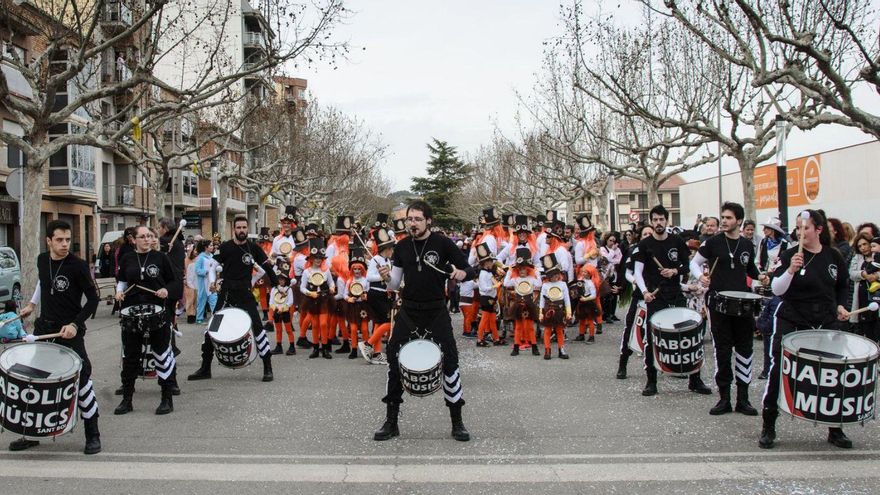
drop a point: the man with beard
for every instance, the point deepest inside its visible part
(238, 257)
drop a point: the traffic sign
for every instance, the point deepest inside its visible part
(13, 184)
(634, 216)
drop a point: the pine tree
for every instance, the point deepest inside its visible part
(446, 175)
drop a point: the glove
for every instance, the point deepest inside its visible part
(30, 339)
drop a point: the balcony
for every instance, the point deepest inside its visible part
(253, 39)
(116, 17)
(232, 205)
(127, 198)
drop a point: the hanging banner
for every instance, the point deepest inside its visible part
(803, 183)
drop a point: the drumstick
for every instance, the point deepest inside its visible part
(714, 264)
(141, 287)
(128, 289)
(9, 320)
(871, 307)
(180, 226)
(659, 265)
(434, 267)
(39, 337)
(364, 244)
(805, 215)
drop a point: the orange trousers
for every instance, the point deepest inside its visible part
(379, 331)
(560, 337)
(364, 329)
(469, 313)
(321, 332)
(524, 332)
(489, 322)
(582, 326)
(305, 320)
(280, 328)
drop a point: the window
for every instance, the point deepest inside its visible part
(675, 200)
(74, 165)
(12, 157)
(622, 199)
(676, 218)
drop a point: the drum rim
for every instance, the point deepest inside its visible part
(29, 379)
(353, 285)
(158, 310)
(874, 355)
(419, 341)
(673, 330)
(523, 283)
(732, 294)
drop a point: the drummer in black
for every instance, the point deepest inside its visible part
(731, 258)
(661, 288)
(148, 273)
(813, 287)
(418, 261)
(625, 351)
(176, 255)
(238, 257)
(63, 281)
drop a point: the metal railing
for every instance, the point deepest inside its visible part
(253, 38)
(117, 13)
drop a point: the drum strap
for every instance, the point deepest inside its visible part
(413, 329)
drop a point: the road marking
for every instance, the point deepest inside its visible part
(483, 458)
(441, 473)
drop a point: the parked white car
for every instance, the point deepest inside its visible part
(10, 275)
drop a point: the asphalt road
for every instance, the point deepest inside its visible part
(537, 427)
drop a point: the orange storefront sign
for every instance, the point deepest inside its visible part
(803, 183)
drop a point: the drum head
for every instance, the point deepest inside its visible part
(736, 294)
(285, 248)
(141, 310)
(40, 362)
(554, 293)
(831, 344)
(280, 298)
(676, 319)
(317, 279)
(419, 355)
(234, 325)
(524, 288)
(356, 289)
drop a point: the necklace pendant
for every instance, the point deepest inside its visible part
(420, 267)
(731, 265)
(52, 291)
(803, 271)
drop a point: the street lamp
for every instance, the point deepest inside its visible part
(215, 208)
(781, 172)
(612, 203)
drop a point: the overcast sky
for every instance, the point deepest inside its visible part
(450, 70)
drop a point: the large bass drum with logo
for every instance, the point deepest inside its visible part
(677, 341)
(828, 377)
(40, 382)
(230, 330)
(421, 371)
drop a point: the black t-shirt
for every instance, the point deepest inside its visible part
(124, 249)
(176, 256)
(63, 284)
(427, 284)
(629, 264)
(671, 252)
(816, 290)
(151, 270)
(732, 260)
(238, 263)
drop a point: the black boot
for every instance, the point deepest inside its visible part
(598, 329)
(353, 354)
(696, 385)
(22, 444)
(93, 436)
(167, 403)
(125, 406)
(345, 349)
(279, 349)
(316, 351)
(535, 351)
(389, 427)
(303, 343)
(838, 438)
(768, 432)
(515, 351)
(743, 405)
(723, 406)
(203, 373)
(650, 388)
(291, 350)
(267, 369)
(621, 367)
(580, 338)
(325, 352)
(459, 432)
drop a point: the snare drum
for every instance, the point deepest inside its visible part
(637, 332)
(40, 383)
(421, 371)
(677, 341)
(828, 377)
(141, 319)
(738, 303)
(230, 330)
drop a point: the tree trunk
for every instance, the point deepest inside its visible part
(223, 184)
(653, 191)
(747, 176)
(600, 207)
(30, 229)
(261, 212)
(160, 204)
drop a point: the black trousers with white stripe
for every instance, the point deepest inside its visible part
(88, 402)
(243, 299)
(133, 356)
(734, 341)
(435, 325)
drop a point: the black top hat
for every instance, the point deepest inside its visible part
(584, 223)
(541, 219)
(264, 234)
(381, 220)
(289, 214)
(299, 238)
(508, 220)
(490, 217)
(317, 248)
(557, 229)
(550, 265)
(399, 226)
(521, 223)
(523, 256)
(357, 254)
(344, 223)
(552, 216)
(312, 229)
(382, 239)
(484, 253)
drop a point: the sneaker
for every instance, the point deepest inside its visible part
(580, 338)
(482, 343)
(366, 351)
(763, 375)
(379, 358)
(591, 340)
(563, 354)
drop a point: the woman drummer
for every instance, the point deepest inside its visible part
(318, 287)
(143, 276)
(812, 285)
(524, 307)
